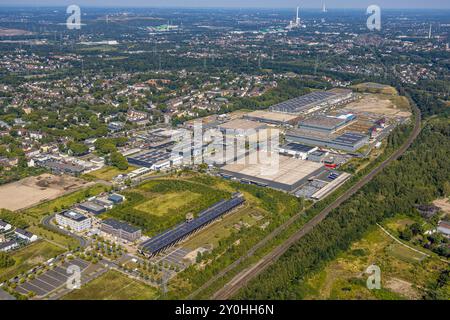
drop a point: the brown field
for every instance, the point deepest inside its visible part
(33, 190)
(444, 204)
(381, 104)
(14, 32)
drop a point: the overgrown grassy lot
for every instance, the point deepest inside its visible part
(113, 285)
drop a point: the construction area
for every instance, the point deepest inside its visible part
(33, 190)
(393, 106)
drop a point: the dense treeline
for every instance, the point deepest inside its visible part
(13, 219)
(428, 103)
(418, 177)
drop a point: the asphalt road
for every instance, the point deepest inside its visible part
(47, 222)
(242, 278)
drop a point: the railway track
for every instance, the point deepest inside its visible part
(242, 278)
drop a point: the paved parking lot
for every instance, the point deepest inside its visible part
(173, 257)
(49, 281)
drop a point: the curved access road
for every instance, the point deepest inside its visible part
(242, 278)
(47, 221)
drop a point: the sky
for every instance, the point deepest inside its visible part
(387, 4)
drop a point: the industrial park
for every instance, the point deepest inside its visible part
(223, 153)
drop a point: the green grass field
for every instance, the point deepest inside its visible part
(375, 88)
(108, 173)
(29, 257)
(113, 285)
(162, 205)
(221, 229)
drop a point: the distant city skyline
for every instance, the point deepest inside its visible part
(388, 4)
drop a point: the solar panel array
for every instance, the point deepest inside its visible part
(304, 102)
(350, 138)
(171, 236)
(297, 147)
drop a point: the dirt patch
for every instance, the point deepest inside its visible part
(403, 288)
(14, 32)
(33, 190)
(377, 104)
(444, 204)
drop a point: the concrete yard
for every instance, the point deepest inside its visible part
(271, 117)
(241, 124)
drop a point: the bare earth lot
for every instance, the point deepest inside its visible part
(14, 32)
(444, 204)
(379, 104)
(33, 190)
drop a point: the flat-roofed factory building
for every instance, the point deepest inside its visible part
(92, 207)
(120, 230)
(297, 150)
(288, 176)
(348, 141)
(74, 220)
(314, 101)
(326, 124)
(155, 160)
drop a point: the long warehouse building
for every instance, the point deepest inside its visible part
(313, 101)
(171, 237)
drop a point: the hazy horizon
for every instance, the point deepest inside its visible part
(258, 4)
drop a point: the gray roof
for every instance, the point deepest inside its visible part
(24, 232)
(3, 223)
(116, 197)
(119, 225)
(73, 215)
(297, 147)
(6, 244)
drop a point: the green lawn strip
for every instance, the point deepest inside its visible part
(108, 173)
(113, 285)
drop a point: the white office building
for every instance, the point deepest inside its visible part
(73, 220)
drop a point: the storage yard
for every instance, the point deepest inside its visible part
(274, 118)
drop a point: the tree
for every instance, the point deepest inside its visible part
(199, 257)
(416, 228)
(5, 260)
(406, 234)
(119, 161)
(77, 148)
